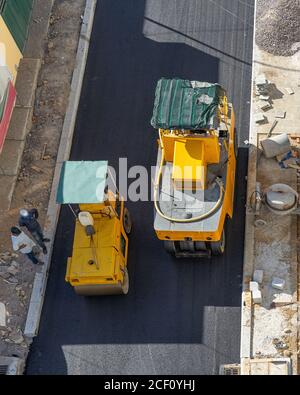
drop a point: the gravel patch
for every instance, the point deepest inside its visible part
(278, 26)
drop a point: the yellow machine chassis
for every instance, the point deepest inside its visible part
(85, 283)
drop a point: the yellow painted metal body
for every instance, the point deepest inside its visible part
(197, 150)
(10, 55)
(190, 159)
(109, 244)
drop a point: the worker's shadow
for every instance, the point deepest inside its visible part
(168, 298)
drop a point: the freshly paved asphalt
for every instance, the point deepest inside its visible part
(180, 317)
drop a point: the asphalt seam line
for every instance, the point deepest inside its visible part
(40, 281)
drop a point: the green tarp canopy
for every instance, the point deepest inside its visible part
(183, 104)
(82, 182)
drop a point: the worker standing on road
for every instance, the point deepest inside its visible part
(28, 218)
(23, 244)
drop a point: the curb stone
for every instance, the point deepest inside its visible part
(246, 310)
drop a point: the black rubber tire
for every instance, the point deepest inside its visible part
(218, 247)
(127, 222)
(125, 285)
(170, 247)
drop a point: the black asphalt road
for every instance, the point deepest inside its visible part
(180, 317)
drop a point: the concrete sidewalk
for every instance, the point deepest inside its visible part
(270, 329)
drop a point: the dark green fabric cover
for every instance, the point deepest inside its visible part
(16, 14)
(179, 104)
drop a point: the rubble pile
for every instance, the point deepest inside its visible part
(278, 26)
(13, 301)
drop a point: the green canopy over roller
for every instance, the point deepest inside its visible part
(183, 104)
(82, 182)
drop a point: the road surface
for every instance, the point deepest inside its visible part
(180, 317)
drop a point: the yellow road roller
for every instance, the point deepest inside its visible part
(196, 165)
(98, 265)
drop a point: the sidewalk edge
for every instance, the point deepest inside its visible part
(246, 308)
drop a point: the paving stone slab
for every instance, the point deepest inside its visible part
(38, 28)
(35, 306)
(7, 185)
(2, 315)
(20, 123)
(11, 157)
(270, 367)
(27, 81)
